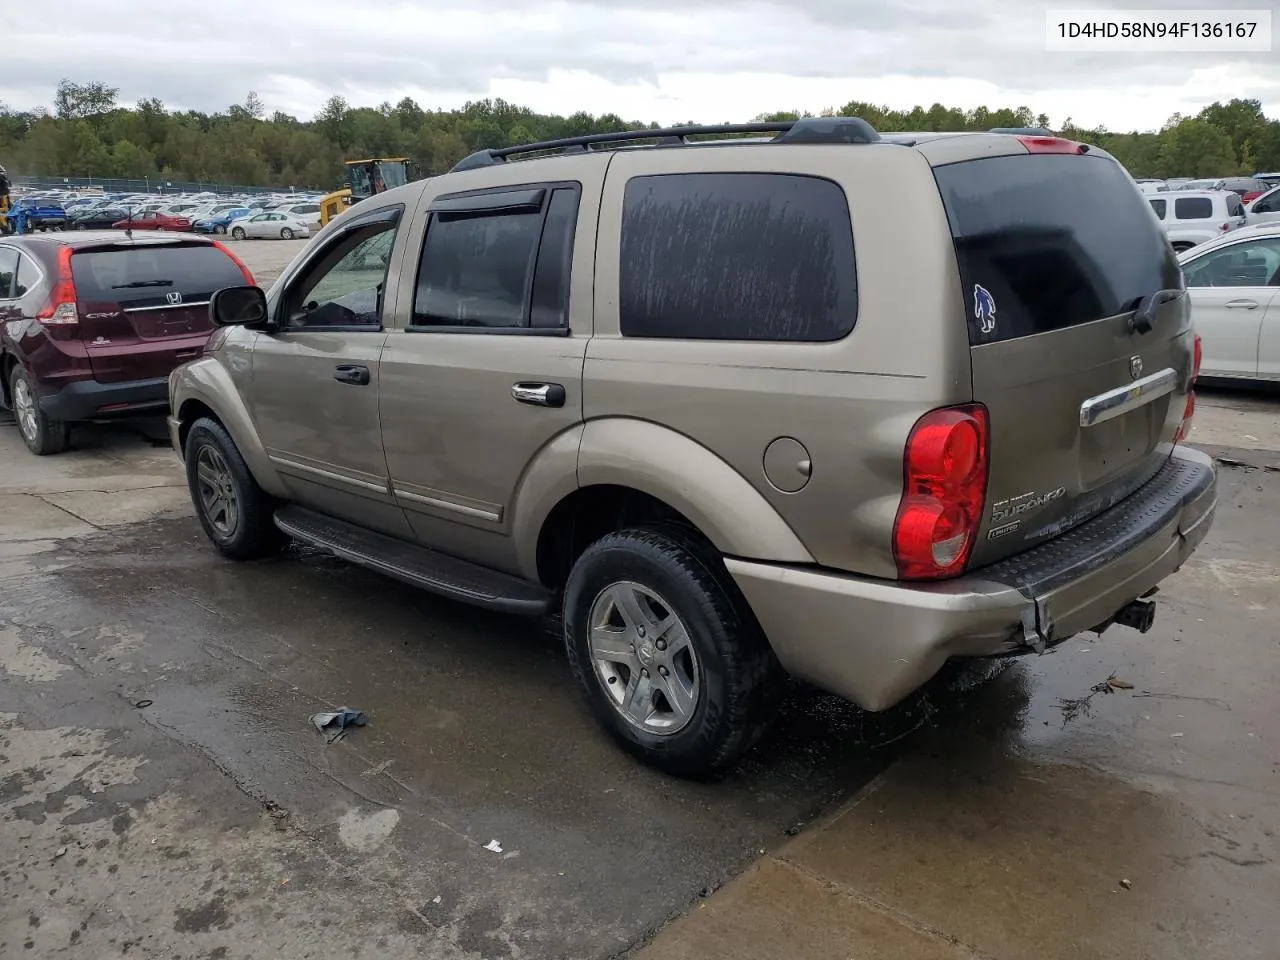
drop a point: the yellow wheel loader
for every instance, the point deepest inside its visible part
(364, 179)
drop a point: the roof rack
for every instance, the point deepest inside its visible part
(810, 130)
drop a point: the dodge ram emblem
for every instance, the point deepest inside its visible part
(1135, 367)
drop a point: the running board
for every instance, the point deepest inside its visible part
(415, 565)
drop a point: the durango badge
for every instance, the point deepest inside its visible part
(984, 308)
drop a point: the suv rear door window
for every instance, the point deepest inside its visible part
(1193, 208)
(499, 267)
(1049, 241)
(736, 256)
(148, 275)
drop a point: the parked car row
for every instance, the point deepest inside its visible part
(1191, 217)
(203, 213)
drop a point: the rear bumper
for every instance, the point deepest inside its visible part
(874, 641)
(86, 399)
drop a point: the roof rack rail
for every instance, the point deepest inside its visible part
(1024, 131)
(810, 130)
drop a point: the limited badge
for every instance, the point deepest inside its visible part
(984, 308)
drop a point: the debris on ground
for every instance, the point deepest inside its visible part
(1271, 467)
(1126, 884)
(1074, 707)
(1232, 462)
(62, 852)
(494, 846)
(342, 718)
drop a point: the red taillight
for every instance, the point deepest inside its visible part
(60, 311)
(1189, 411)
(1226, 227)
(248, 277)
(1188, 415)
(944, 491)
(1050, 145)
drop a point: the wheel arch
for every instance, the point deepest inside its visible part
(631, 472)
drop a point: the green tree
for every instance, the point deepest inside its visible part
(80, 100)
(1196, 148)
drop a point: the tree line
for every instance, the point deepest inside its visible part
(88, 133)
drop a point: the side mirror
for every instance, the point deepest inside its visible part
(238, 307)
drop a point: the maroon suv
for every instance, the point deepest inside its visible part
(91, 324)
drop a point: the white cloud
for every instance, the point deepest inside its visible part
(664, 60)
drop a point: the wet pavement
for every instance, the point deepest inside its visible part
(162, 793)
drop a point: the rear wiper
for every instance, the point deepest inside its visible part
(1144, 315)
(142, 283)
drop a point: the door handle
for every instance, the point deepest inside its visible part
(539, 394)
(351, 373)
(1241, 304)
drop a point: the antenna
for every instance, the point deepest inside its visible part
(128, 221)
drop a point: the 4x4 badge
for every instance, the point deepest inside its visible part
(984, 308)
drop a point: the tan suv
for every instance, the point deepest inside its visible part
(734, 407)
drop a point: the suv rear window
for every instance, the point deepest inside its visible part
(1193, 208)
(1049, 241)
(736, 256)
(131, 276)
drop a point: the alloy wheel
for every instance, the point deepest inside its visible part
(644, 658)
(217, 491)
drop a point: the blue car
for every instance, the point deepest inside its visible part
(220, 222)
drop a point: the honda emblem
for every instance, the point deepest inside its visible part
(174, 297)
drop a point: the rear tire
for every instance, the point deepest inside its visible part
(286, 234)
(43, 436)
(1182, 247)
(238, 233)
(728, 677)
(236, 513)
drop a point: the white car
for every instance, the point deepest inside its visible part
(308, 213)
(1264, 209)
(1234, 286)
(269, 225)
(1190, 217)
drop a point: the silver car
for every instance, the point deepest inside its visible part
(269, 226)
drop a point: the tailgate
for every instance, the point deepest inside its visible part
(144, 308)
(1056, 252)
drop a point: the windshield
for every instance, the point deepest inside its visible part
(392, 174)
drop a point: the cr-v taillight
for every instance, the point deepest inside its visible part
(60, 311)
(944, 490)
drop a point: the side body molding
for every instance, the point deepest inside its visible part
(691, 479)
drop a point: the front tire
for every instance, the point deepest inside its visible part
(238, 233)
(667, 652)
(42, 435)
(219, 229)
(234, 511)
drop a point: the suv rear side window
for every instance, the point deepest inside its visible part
(1234, 207)
(146, 275)
(736, 256)
(1048, 241)
(1158, 206)
(501, 267)
(1193, 208)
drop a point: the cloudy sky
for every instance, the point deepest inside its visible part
(664, 60)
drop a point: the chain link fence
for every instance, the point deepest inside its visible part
(143, 185)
